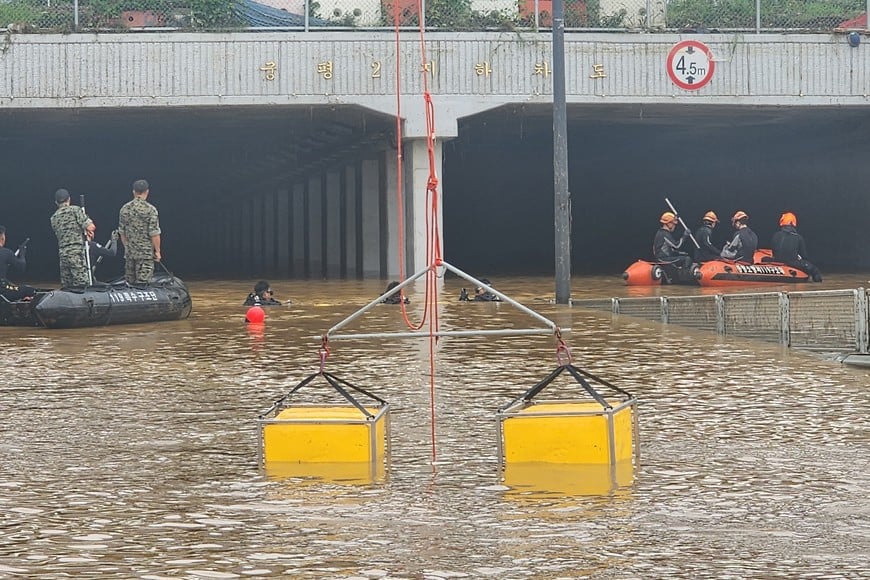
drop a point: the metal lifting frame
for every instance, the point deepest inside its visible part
(552, 327)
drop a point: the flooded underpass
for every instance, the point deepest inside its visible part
(497, 182)
(131, 451)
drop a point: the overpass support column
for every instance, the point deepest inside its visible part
(417, 203)
(298, 207)
(350, 194)
(370, 221)
(283, 235)
(316, 233)
(332, 215)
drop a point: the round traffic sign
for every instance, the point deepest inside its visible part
(690, 64)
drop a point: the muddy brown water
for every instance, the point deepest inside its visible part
(131, 451)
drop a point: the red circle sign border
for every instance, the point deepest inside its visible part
(699, 45)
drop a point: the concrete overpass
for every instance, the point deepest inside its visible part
(274, 154)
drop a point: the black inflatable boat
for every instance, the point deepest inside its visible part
(165, 298)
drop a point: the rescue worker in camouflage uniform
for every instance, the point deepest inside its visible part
(71, 226)
(139, 227)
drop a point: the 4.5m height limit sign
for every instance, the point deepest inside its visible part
(690, 65)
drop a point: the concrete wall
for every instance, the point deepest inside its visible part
(469, 72)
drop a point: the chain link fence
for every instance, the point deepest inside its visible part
(827, 320)
(446, 15)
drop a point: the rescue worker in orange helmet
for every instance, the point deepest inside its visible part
(666, 250)
(742, 246)
(789, 247)
(706, 251)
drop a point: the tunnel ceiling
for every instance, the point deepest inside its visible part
(211, 151)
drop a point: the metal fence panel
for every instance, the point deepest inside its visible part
(693, 311)
(824, 320)
(753, 316)
(834, 320)
(604, 304)
(649, 308)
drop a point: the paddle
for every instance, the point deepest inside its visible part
(162, 265)
(682, 223)
(87, 245)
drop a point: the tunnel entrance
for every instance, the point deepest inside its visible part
(194, 159)
(625, 159)
(497, 175)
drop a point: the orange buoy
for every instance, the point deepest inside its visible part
(255, 315)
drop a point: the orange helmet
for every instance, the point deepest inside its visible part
(711, 217)
(668, 218)
(739, 216)
(788, 219)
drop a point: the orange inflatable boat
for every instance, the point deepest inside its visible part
(762, 271)
(644, 273)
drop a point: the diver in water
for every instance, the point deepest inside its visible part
(262, 295)
(480, 294)
(397, 298)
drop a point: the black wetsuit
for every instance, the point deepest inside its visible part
(789, 248)
(666, 250)
(486, 297)
(259, 300)
(707, 251)
(396, 299)
(677, 265)
(98, 250)
(8, 260)
(742, 246)
(483, 297)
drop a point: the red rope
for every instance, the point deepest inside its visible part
(563, 353)
(433, 235)
(323, 351)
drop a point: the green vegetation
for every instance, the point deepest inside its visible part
(454, 15)
(214, 14)
(31, 15)
(777, 14)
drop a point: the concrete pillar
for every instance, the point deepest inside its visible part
(315, 227)
(245, 250)
(231, 244)
(257, 246)
(371, 218)
(351, 191)
(391, 216)
(282, 237)
(299, 208)
(269, 219)
(225, 244)
(256, 256)
(417, 207)
(332, 214)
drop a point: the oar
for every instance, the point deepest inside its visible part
(87, 248)
(682, 223)
(162, 265)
